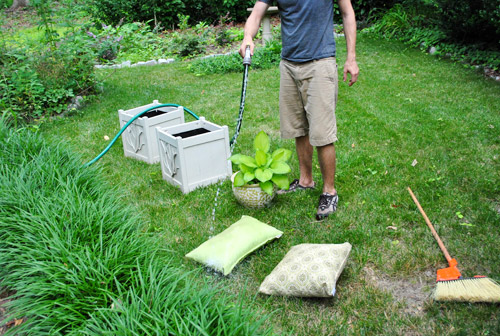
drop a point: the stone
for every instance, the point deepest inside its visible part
(432, 50)
(165, 61)
(76, 103)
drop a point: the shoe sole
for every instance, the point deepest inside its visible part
(321, 217)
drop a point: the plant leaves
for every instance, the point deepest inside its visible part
(248, 161)
(267, 187)
(236, 158)
(280, 167)
(281, 181)
(239, 179)
(245, 169)
(260, 158)
(248, 176)
(261, 142)
(281, 154)
(263, 175)
(269, 160)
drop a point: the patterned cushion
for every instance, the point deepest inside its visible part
(229, 247)
(308, 270)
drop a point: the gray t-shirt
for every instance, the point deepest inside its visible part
(306, 29)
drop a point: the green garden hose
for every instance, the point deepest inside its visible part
(131, 121)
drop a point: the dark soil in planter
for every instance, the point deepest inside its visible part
(153, 113)
(187, 134)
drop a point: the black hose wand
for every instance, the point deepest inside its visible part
(247, 61)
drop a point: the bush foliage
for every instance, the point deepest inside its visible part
(166, 12)
(470, 21)
(263, 58)
(427, 23)
(34, 83)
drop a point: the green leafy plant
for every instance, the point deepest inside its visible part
(5, 3)
(186, 44)
(264, 58)
(264, 168)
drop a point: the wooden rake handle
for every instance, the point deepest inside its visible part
(429, 224)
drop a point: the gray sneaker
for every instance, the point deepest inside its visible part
(327, 205)
(294, 186)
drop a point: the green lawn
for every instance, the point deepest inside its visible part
(406, 106)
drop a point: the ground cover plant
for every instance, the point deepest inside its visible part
(401, 125)
(73, 255)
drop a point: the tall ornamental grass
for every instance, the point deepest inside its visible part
(74, 255)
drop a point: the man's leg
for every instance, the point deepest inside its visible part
(329, 199)
(305, 153)
(327, 163)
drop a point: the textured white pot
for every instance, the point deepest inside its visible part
(251, 195)
(139, 139)
(194, 154)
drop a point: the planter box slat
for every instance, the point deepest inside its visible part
(139, 139)
(194, 161)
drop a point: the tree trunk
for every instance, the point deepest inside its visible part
(16, 4)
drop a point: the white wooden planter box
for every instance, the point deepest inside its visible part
(194, 154)
(139, 139)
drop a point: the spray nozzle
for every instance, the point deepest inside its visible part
(247, 60)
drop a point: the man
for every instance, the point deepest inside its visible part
(308, 84)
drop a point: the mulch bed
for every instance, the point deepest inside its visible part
(4, 294)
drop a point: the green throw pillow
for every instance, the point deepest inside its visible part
(229, 247)
(308, 270)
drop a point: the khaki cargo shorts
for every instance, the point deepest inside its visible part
(308, 97)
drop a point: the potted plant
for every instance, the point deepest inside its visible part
(255, 183)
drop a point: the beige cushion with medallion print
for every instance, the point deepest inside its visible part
(308, 270)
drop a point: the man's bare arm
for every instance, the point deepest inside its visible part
(349, 19)
(252, 26)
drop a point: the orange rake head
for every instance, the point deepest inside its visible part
(449, 273)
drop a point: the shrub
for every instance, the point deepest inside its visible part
(39, 79)
(471, 21)
(186, 44)
(130, 41)
(416, 28)
(116, 11)
(5, 3)
(367, 10)
(263, 58)
(41, 83)
(113, 11)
